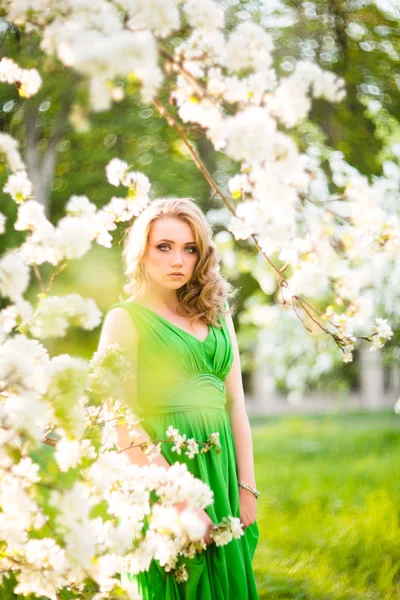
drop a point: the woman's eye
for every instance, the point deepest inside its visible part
(191, 249)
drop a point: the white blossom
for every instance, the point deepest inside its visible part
(178, 442)
(291, 102)
(68, 381)
(42, 245)
(18, 186)
(9, 153)
(19, 512)
(115, 171)
(55, 314)
(192, 448)
(194, 528)
(152, 451)
(14, 275)
(25, 411)
(158, 15)
(383, 332)
(250, 135)
(74, 236)
(28, 80)
(21, 311)
(119, 53)
(181, 574)
(80, 206)
(121, 209)
(9, 71)
(31, 216)
(258, 44)
(2, 223)
(383, 329)
(222, 538)
(138, 184)
(100, 94)
(239, 184)
(26, 470)
(69, 453)
(204, 15)
(26, 374)
(213, 438)
(236, 527)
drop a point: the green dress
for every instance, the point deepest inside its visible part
(180, 382)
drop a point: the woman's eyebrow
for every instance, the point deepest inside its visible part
(172, 242)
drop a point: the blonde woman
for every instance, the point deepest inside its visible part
(176, 329)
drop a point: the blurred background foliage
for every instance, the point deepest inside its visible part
(66, 149)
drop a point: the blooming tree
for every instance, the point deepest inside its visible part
(80, 532)
(319, 225)
(314, 218)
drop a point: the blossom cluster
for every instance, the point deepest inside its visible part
(291, 358)
(68, 534)
(28, 81)
(310, 210)
(9, 153)
(190, 445)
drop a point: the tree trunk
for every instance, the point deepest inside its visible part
(41, 165)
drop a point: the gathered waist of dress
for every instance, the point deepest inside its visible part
(202, 392)
(208, 379)
(161, 410)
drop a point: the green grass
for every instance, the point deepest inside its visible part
(329, 510)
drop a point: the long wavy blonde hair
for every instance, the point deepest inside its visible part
(205, 294)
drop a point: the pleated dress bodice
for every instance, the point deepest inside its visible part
(175, 370)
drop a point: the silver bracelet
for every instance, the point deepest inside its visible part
(246, 486)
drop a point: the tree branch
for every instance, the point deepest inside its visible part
(340, 339)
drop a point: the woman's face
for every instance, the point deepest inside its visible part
(171, 249)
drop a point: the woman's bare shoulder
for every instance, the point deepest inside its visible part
(118, 326)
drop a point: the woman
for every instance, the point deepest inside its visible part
(183, 349)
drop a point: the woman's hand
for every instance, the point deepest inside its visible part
(204, 518)
(200, 514)
(247, 507)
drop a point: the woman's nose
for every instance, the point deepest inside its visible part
(177, 259)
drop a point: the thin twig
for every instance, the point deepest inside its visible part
(39, 277)
(54, 275)
(282, 281)
(196, 158)
(313, 308)
(298, 315)
(299, 301)
(201, 91)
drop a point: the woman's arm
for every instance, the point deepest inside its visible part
(119, 328)
(241, 431)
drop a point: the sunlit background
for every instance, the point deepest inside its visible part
(326, 436)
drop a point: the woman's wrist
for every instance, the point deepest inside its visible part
(181, 506)
(249, 488)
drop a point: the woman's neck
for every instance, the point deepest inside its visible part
(168, 301)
